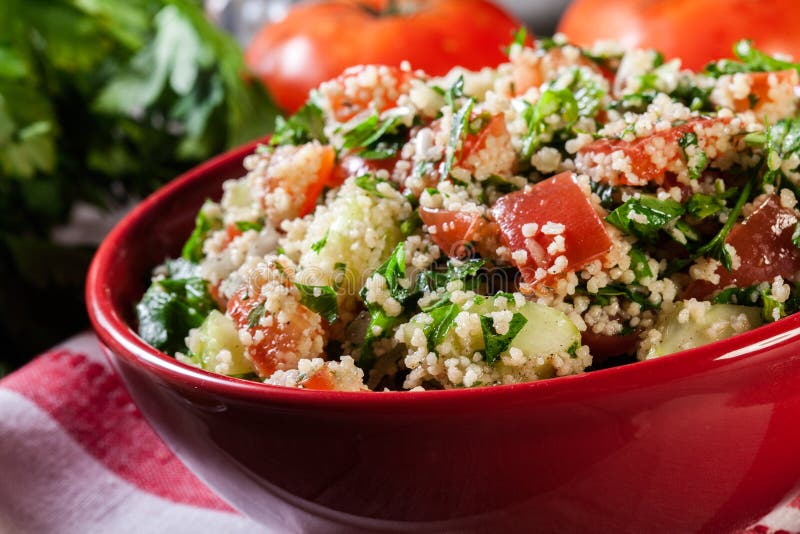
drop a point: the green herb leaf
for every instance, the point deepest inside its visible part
(796, 235)
(496, 344)
(170, 308)
(204, 225)
(244, 226)
(780, 141)
(458, 130)
(320, 299)
(455, 92)
(255, 315)
(411, 225)
(520, 36)
(303, 127)
(552, 102)
(443, 317)
(697, 161)
(394, 270)
(750, 60)
(369, 183)
(633, 292)
(639, 264)
(716, 247)
(377, 140)
(317, 246)
(643, 217)
(772, 310)
(702, 206)
(747, 296)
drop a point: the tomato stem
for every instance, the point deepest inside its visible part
(392, 8)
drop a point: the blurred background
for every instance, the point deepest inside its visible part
(103, 101)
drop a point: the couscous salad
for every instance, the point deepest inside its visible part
(568, 210)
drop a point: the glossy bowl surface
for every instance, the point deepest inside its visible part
(704, 440)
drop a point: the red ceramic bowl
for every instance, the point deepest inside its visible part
(704, 440)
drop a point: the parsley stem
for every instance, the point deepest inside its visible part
(716, 247)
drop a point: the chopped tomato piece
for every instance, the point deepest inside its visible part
(763, 243)
(366, 87)
(651, 158)
(355, 165)
(294, 178)
(321, 380)
(564, 232)
(603, 347)
(315, 187)
(762, 95)
(454, 232)
(533, 70)
(275, 344)
(474, 143)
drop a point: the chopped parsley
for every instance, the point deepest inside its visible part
(204, 225)
(443, 317)
(750, 60)
(639, 264)
(369, 183)
(760, 295)
(702, 206)
(411, 225)
(696, 162)
(304, 126)
(643, 217)
(319, 299)
(519, 38)
(244, 226)
(318, 245)
(559, 102)
(170, 308)
(255, 315)
(780, 141)
(716, 247)
(496, 344)
(458, 130)
(377, 139)
(796, 235)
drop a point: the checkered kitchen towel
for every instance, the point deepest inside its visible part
(77, 457)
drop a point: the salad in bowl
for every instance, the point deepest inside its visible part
(570, 210)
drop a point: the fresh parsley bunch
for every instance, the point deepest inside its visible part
(100, 100)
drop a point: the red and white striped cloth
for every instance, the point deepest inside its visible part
(77, 457)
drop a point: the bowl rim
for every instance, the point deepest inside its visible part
(118, 337)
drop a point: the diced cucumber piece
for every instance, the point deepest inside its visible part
(211, 343)
(713, 325)
(237, 194)
(548, 331)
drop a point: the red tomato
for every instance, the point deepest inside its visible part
(474, 143)
(321, 380)
(639, 150)
(358, 90)
(603, 347)
(760, 89)
(304, 189)
(355, 165)
(318, 40)
(697, 31)
(278, 339)
(764, 245)
(556, 200)
(454, 232)
(533, 72)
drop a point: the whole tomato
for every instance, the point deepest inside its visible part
(696, 31)
(318, 40)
